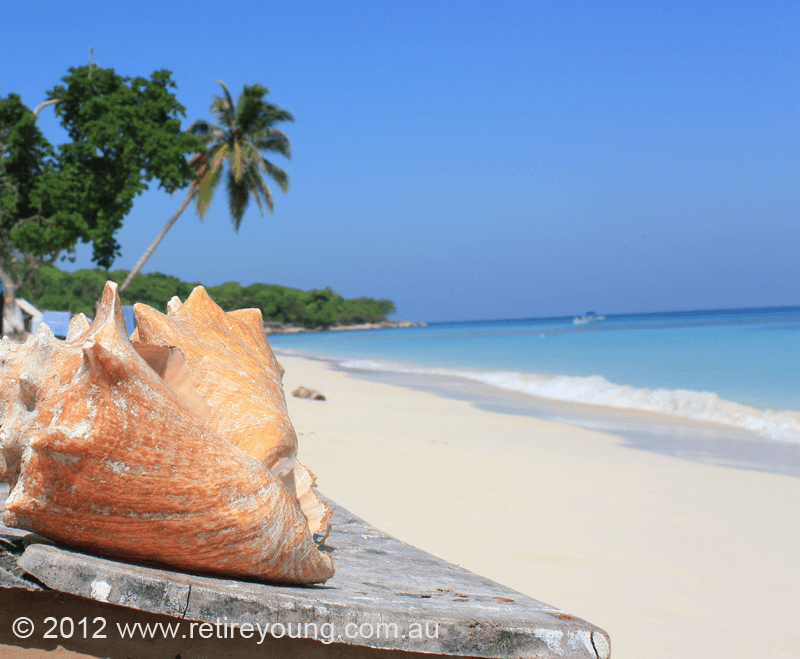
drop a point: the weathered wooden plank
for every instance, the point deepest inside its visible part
(385, 595)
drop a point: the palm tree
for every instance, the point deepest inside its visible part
(244, 130)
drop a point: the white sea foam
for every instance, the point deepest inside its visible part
(596, 390)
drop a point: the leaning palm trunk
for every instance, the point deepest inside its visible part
(240, 144)
(149, 252)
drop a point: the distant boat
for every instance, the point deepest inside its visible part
(587, 317)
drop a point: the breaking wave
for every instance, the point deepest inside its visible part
(596, 390)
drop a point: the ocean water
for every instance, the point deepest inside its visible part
(738, 368)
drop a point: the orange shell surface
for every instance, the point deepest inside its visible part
(233, 368)
(11, 365)
(104, 456)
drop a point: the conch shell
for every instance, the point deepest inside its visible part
(237, 375)
(103, 454)
(10, 370)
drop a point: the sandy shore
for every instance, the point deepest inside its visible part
(673, 558)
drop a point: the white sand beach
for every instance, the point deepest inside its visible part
(673, 558)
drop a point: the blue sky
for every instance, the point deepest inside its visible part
(474, 160)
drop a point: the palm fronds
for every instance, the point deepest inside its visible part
(244, 130)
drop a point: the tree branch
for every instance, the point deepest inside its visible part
(44, 104)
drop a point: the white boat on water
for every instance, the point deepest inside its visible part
(587, 317)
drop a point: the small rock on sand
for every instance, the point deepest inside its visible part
(305, 392)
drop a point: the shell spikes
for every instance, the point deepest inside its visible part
(112, 460)
(237, 374)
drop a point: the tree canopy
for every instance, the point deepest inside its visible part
(26, 159)
(77, 292)
(245, 129)
(124, 132)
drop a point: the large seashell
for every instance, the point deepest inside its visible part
(10, 369)
(102, 454)
(20, 377)
(236, 373)
(233, 368)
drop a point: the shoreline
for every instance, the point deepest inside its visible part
(287, 328)
(727, 438)
(666, 554)
(703, 442)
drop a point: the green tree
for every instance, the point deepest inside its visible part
(124, 133)
(26, 157)
(78, 291)
(245, 129)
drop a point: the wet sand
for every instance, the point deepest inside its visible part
(709, 443)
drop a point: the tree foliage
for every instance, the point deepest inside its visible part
(26, 159)
(77, 292)
(124, 133)
(244, 129)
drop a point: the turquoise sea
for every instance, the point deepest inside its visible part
(736, 367)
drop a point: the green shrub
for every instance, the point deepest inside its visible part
(79, 291)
